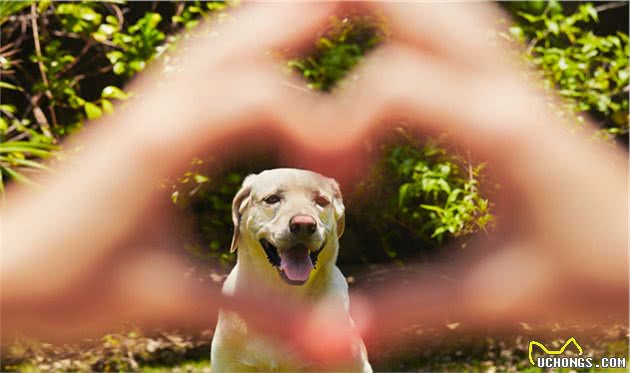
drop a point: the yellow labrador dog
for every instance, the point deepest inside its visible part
(287, 224)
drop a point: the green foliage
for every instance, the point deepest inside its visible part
(78, 17)
(438, 194)
(9, 8)
(71, 68)
(189, 15)
(137, 46)
(17, 156)
(589, 71)
(209, 200)
(338, 50)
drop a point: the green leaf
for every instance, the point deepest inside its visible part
(34, 151)
(452, 197)
(7, 108)
(590, 10)
(28, 145)
(529, 17)
(215, 5)
(113, 92)
(92, 111)
(114, 56)
(100, 37)
(10, 86)
(439, 231)
(31, 164)
(437, 209)
(107, 29)
(16, 175)
(9, 8)
(154, 20)
(553, 27)
(137, 65)
(200, 179)
(517, 32)
(120, 68)
(402, 193)
(112, 20)
(108, 108)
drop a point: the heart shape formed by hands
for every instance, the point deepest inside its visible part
(229, 94)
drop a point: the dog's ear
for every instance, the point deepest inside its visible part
(339, 208)
(239, 204)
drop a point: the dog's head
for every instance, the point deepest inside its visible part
(290, 216)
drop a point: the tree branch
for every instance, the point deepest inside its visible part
(39, 115)
(608, 6)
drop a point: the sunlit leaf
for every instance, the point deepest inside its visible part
(92, 111)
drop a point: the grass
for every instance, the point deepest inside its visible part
(188, 366)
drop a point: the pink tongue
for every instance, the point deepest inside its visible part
(296, 263)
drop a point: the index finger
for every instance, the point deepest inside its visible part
(458, 31)
(263, 27)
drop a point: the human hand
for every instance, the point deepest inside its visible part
(559, 252)
(93, 247)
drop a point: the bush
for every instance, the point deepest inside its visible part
(589, 71)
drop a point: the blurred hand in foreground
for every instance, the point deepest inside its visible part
(79, 250)
(91, 248)
(559, 253)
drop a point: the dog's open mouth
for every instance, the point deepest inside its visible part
(294, 264)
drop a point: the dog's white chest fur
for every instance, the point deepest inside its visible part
(235, 348)
(287, 223)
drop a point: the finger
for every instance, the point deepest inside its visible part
(153, 291)
(249, 32)
(495, 117)
(458, 31)
(223, 124)
(398, 84)
(251, 100)
(263, 27)
(148, 289)
(519, 282)
(492, 295)
(489, 115)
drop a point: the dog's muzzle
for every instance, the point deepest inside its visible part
(295, 263)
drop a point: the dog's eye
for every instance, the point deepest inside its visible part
(322, 201)
(272, 199)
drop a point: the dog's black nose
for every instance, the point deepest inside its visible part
(302, 225)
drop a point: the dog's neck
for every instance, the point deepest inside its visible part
(255, 271)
